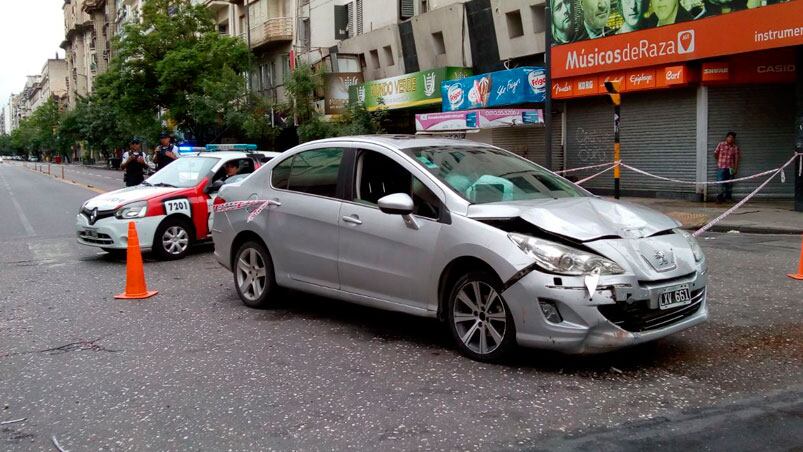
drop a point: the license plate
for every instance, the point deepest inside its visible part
(674, 297)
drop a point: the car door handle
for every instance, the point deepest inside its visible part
(274, 202)
(352, 219)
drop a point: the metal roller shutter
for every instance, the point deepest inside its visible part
(763, 118)
(658, 134)
(527, 142)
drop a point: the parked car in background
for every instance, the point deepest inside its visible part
(502, 250)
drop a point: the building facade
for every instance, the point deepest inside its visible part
(52, 84)
(685, 85)
(89, 26)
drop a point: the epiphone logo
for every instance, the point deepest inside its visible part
(638, 79)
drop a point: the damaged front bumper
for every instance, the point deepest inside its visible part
(623, 311)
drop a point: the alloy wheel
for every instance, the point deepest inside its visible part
(175, 240)
(480, 318)
(251, 274)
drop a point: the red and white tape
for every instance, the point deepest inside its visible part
(260, 205)
(582, 181)
(716, 220)
(574, 170)
(677, 181)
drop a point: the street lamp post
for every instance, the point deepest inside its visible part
(548, 86)
(616, 98)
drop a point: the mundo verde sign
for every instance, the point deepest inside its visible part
(408, 90)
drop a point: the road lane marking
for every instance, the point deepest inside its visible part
(23, 219)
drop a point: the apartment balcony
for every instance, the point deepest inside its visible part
(273, 30)
(91, 6)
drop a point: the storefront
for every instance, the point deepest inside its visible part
(684, 86)
(405, 95)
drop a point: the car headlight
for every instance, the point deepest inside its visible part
(133, 210)
(563, 259)
(695, 247)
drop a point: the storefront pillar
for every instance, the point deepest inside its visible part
(799, 130)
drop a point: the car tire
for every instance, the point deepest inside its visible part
(254, 278)
(172, 239)
(483, 331)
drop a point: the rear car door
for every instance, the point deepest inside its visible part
(303, 221)
(381, 256)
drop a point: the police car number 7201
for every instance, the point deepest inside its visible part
(177, 206)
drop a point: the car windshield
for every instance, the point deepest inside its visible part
(483, 175)
(183, 173)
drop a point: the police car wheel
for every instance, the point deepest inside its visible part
(172, 239)
(254, 277)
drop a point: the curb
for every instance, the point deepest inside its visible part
(66, 181)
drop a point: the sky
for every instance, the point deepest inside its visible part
(30, 33)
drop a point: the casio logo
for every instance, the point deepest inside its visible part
(777, 68)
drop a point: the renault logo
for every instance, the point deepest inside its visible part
(93, 216)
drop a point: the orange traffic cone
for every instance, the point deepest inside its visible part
(799, 274)
(135, 287)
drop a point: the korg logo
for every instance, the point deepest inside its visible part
(686, 42)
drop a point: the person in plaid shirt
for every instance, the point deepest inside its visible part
(727, 154)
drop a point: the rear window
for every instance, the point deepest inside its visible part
(314, 172)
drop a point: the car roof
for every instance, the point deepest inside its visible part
(405, 141)
(230, 154)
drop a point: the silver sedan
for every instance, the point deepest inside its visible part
(503, 251)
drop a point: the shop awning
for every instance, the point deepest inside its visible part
(405, 91)
(477, 119)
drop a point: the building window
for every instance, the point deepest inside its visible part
(539, 18)
(514, 25)
(223, 29)
(438, 43)
(406, 9)
(306, 38)
(358, 19)
(363, 62)
(388, 56)
(375, 59)
(350, 18)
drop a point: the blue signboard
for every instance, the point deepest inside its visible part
(495, 89)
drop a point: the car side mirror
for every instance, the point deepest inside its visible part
(396, 204)
(214, 187)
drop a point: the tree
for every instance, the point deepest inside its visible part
(175, 63)
(356, 120)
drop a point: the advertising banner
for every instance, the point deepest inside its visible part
(477, 119)
(633, 80)
(408, 90)
(336, 88)
(606, 35)
(495, 89)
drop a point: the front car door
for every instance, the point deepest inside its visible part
(303, 222)
(381, 256)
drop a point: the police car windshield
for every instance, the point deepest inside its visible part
(184, 172)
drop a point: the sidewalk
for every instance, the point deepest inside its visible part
(760, 216)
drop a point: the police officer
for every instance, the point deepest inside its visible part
(165, 153)
(133, 164)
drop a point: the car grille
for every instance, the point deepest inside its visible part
(638, 316)
(101, 215)
(96, 239)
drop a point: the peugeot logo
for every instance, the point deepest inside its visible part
(93, 216)
(660, 258)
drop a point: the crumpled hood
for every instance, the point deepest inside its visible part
(584, 219)
(114, 199)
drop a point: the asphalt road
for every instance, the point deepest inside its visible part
(194, 369)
